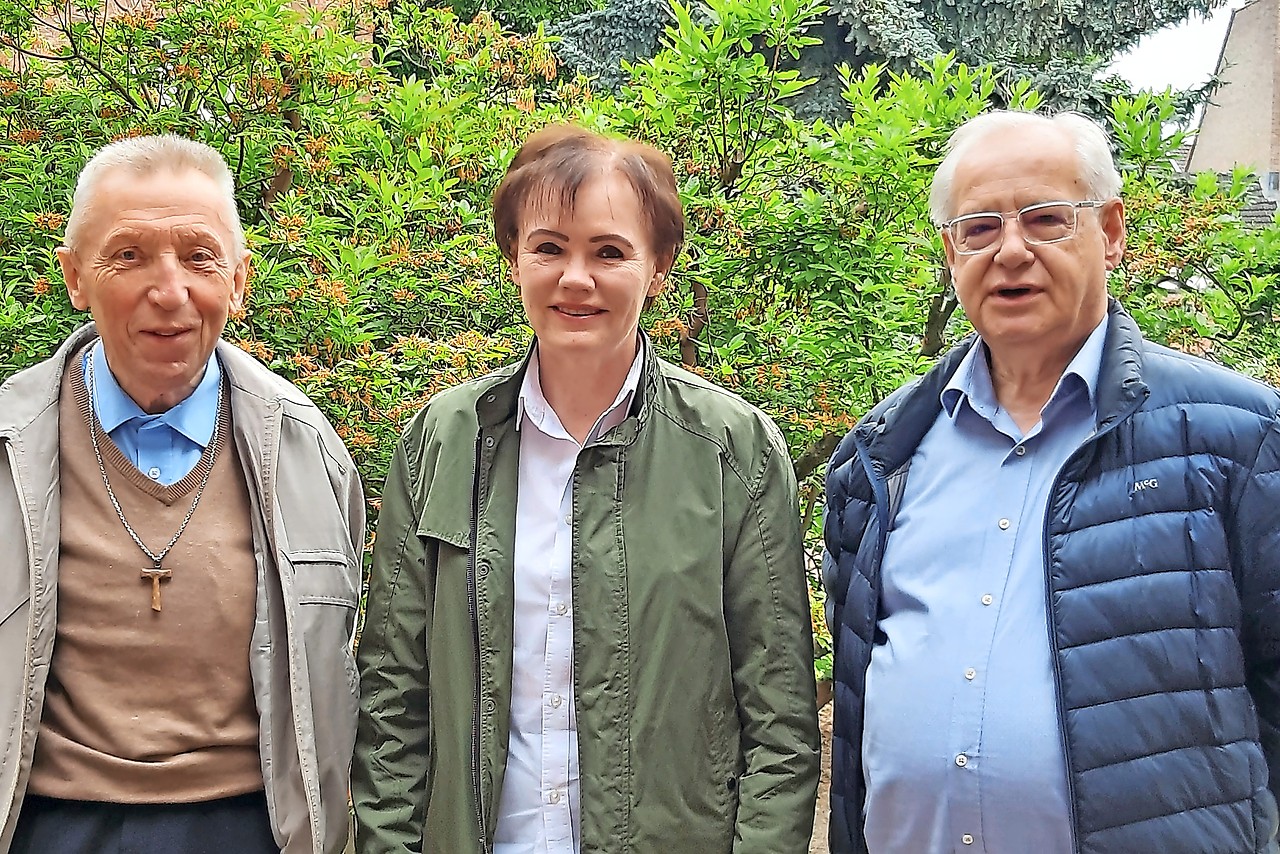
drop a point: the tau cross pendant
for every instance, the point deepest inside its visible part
(155, 575)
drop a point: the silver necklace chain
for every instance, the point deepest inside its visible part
(156, 559)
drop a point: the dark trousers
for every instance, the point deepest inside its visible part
(236, 825)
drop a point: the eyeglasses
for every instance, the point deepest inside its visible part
(1041, 223)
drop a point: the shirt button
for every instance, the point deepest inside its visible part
(970, 673)
(554, 797)
(568, 520)
(1020, 450)
(1004, 524)
(556, 700)
(962, 760)
(967, 839)
(987, 598)
(562, 608)
(153, 473)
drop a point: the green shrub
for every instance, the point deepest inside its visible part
(812, 283)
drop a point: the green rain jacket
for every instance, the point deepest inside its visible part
(693, 661)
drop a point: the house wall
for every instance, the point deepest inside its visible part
(1241, 125)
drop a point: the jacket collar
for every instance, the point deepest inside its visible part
(499, 403)
(894, 428)
(1120, 383)
(31, 392)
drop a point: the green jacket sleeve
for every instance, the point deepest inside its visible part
(391, 768)
(771, 645)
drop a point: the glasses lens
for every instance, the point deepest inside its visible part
(975, 233)
(1047, 223)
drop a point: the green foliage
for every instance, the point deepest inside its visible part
(365, 199)
(1193, 275)
(1138, 128)
(1005, 33)
(521, 16)
(812, 282)
(712, 95)
(1032, 30)
(599, 43)
(1063, 51)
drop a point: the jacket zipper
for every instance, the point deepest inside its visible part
(1049, 622)
(308, 763)
(473, 606)
(31, 632)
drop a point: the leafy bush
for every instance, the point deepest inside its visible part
(367, 137)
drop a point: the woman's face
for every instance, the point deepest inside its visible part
(584, 274)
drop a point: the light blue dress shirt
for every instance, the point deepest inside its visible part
(164, 447)
(962, 747)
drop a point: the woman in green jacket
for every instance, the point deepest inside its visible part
(587, 626)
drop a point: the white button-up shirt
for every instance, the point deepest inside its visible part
(539, 812)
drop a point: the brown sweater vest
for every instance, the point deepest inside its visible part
(148, 706)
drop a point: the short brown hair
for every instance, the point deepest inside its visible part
(557, 160)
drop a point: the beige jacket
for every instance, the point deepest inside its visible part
(308, 525)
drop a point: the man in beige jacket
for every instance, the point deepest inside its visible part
(184, 531)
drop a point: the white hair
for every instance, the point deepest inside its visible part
(147, 155)
(1097, 168)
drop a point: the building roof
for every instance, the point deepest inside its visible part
(1260, 211)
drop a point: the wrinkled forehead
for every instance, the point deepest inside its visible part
(1021, 167)
(162, 197)
(556, 192)
(123, 186)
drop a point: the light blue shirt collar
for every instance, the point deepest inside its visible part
(972, 380)
(195, 417)
(962, 675)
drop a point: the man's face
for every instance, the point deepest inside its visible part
(158, 270)
(1026, 300)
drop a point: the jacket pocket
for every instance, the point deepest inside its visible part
(322, 577)
(15, 581)
(327, 603)
(325, 589)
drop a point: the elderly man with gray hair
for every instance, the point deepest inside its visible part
(1053, 562)
(183, 535)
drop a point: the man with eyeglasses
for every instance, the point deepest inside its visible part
(1053, 562)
